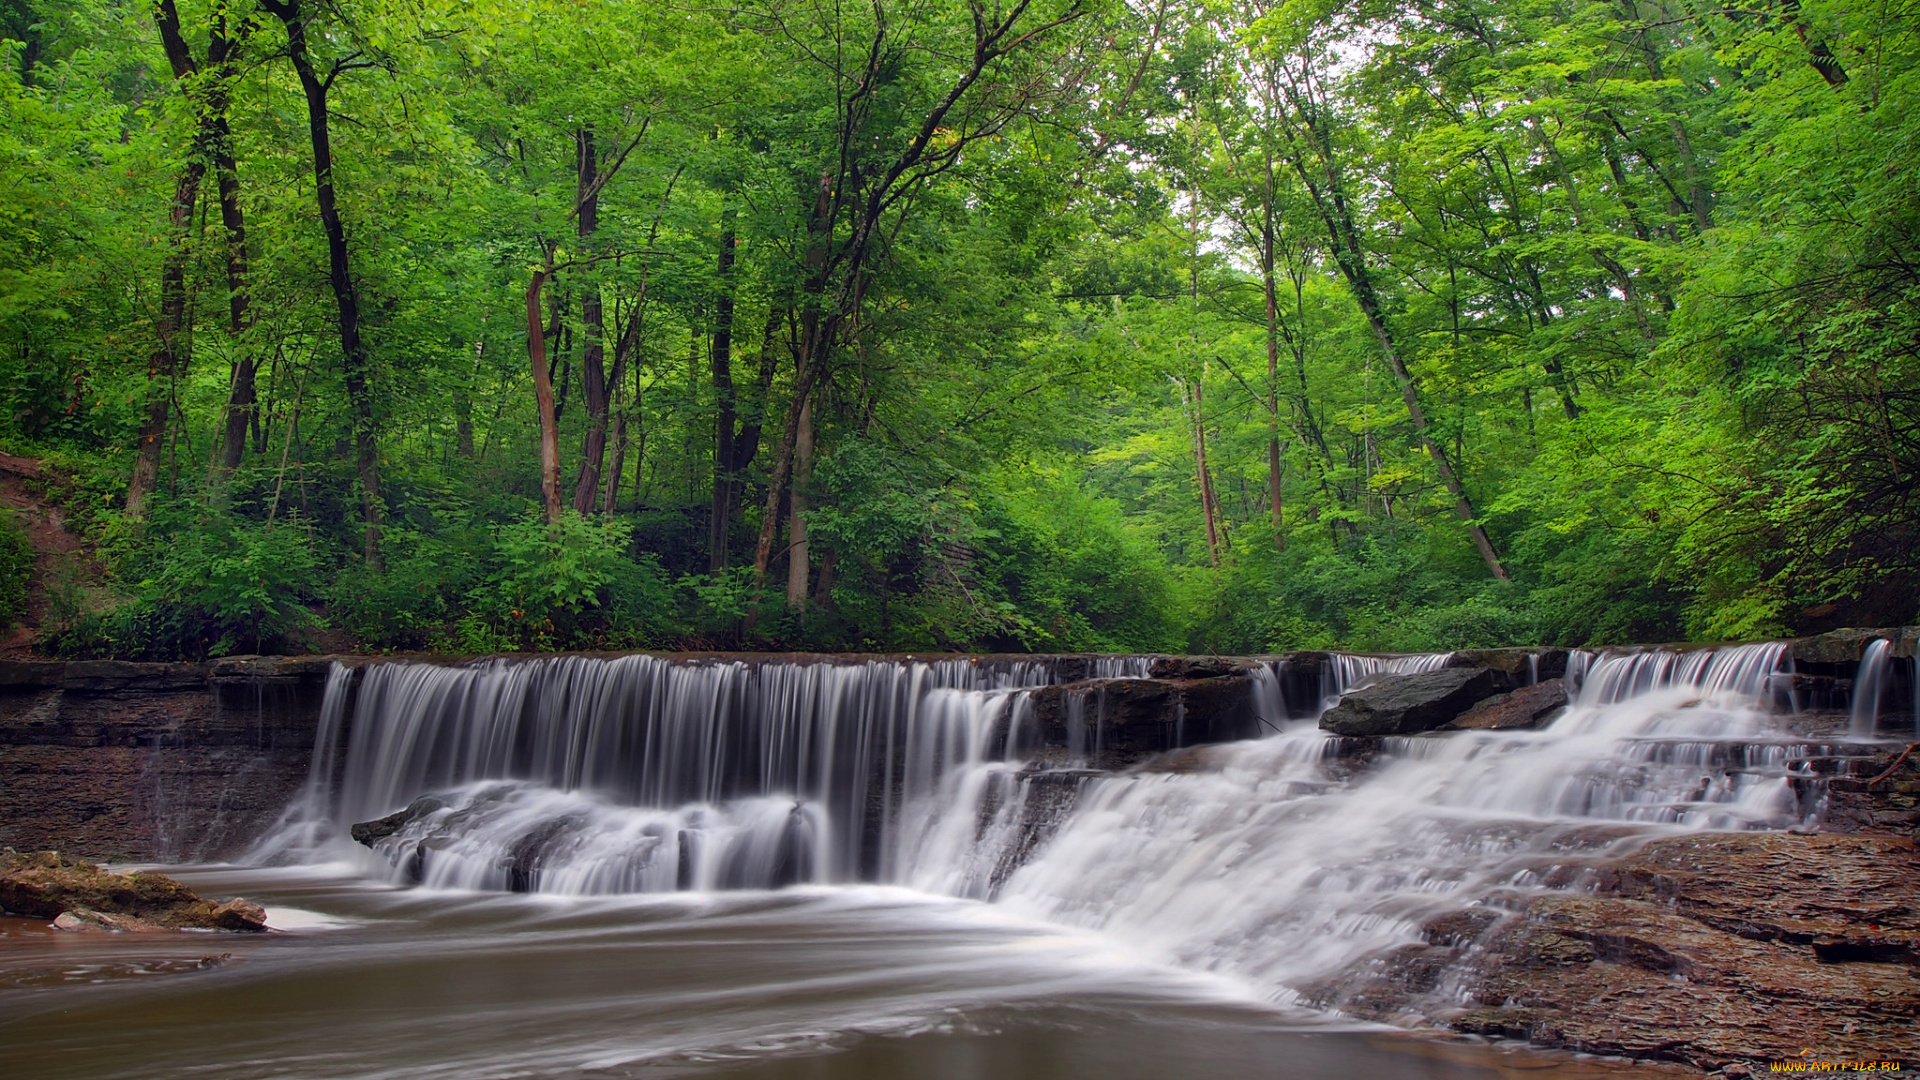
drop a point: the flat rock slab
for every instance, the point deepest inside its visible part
(1410, 704)
(1720, 950)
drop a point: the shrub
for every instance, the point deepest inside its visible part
(569, 584)
(219, 585)
(16, 569)
(410, 603)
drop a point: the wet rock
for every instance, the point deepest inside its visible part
(1409, 704)
(44, 885)
(153, 762)
(372, 832)
(1718, 950)
(1459, 928)
(1873, 794)
(80, 920)
(1521, 666)
(1837, 646)
(238, 914)
(1199, 667)
(1114, 723)
(1523, 708)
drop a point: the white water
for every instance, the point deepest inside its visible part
(1869, 682)
(1271, 869)
(574, 774)
(1275, 863)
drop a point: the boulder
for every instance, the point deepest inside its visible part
(1410, 704)
(1523, 708)
(1519, 665)
(1837, 646)
(372, 832)
(44, 885)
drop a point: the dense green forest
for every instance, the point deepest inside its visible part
(1235, 325)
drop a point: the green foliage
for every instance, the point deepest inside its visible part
(569, 584)
(218, 585)
(411, 602)
(16, 569)
(1648, 281)
(1078, 578)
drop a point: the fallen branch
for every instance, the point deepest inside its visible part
(1911, 747)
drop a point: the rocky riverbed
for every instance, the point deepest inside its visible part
(1726, 951)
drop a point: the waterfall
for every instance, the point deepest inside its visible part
(579, 774)
(1275, 868)
(1120, 667)
(1280, 861)
(1869, 683)
(1347, 669)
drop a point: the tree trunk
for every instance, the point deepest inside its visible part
(619, 463)
(725, 468)
(808, 361)
(1200, 467)
(1344, 237)
(242, 406)
(1271, 290)
(173, 352)
(543, 397)
(463, 406)
(593, 373)
(169, 360)
(356, 360)
(823, 581)
(797, 564)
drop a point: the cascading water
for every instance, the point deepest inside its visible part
(1347, 670)
(585, 775)
(1869, 683)
(1276, 861)
(1275, 868)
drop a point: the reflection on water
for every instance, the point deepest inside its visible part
(807, 984)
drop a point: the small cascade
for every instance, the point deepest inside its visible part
(1120, 667)
(1751, 670)
(1869, 686)
(1281, 867)
(1346, 670)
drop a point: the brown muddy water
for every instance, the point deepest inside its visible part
(370, 981)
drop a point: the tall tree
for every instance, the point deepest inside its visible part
(208, 89)
(356, 358)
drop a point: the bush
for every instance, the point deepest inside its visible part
(219, 585)
(411, 603)
(16, 569)
(570, 584)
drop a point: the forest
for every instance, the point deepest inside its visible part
(1005, 325)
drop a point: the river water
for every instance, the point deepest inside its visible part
(820, 983)
(632, 868)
